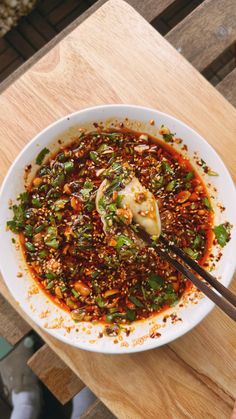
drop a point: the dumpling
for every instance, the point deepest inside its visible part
(139, 200)
(143, 205)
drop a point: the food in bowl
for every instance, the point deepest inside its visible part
(111, 278)
(160, 327)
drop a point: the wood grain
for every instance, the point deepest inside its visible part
(21, 45)
(11, 68)
(12, 326)
(150, 9)
(97, 411)
(208, 344)
(7, 57)
(204, 34)
(128, 61)
(228, 87)
(41, 25)
(161, 380)
(55, 374)
(48, 31)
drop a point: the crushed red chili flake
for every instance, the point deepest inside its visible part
(62, 235)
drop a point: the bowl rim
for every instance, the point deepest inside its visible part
(113, 349)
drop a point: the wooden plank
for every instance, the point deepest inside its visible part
(20, 43)
(46, 6)
(177, 394)
(226, 69)
(29, 33)
(12, 327)
(71, 16)
(44, 50)
(197, 353)
(63, 10)
(228, 87)
(10, 68)
(3, 45)
(7, 57)
(41, 25)
(55, 374)
(114, 61)
(97, 411)
(202, 38)
(182, 12)
(150, 9)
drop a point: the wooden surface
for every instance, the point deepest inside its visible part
(97, 411)
(40, 31)
(150, 9)
(228, 87)
(55, 374)
(206, 32)
(128, 61)
(12, 327)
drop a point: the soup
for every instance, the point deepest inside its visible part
(93, 275)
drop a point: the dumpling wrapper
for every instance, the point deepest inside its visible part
(140, 201)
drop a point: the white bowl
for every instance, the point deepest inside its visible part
(56, 321)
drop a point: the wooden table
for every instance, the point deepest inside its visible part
(115, 56)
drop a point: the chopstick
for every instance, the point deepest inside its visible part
(225, 300)
(197, 268)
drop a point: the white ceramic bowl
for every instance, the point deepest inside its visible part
(54, 320)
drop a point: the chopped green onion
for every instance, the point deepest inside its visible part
(69, 166)
(59, 204)
(36, 202)
(100, 302)
(144, 292)
(222, 234)
(29, 231)
(94, 156)
(130, 315)
(41, 227)
(207, 203)
(171, 185)
(196, 242)
(167, 167)
(30, 247)
(50, 275)
(96, 287)
(123, 240)
(23, 198)
(136, 301)
(111, 316)
(168, 137)
(58, 180)
(42, 254)
(155, 281)
(61, 157)
(54, 243)
(40, 157)
(75, 293)
(158, 183)
(112, 207)
(190, 252)
(189, 176)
